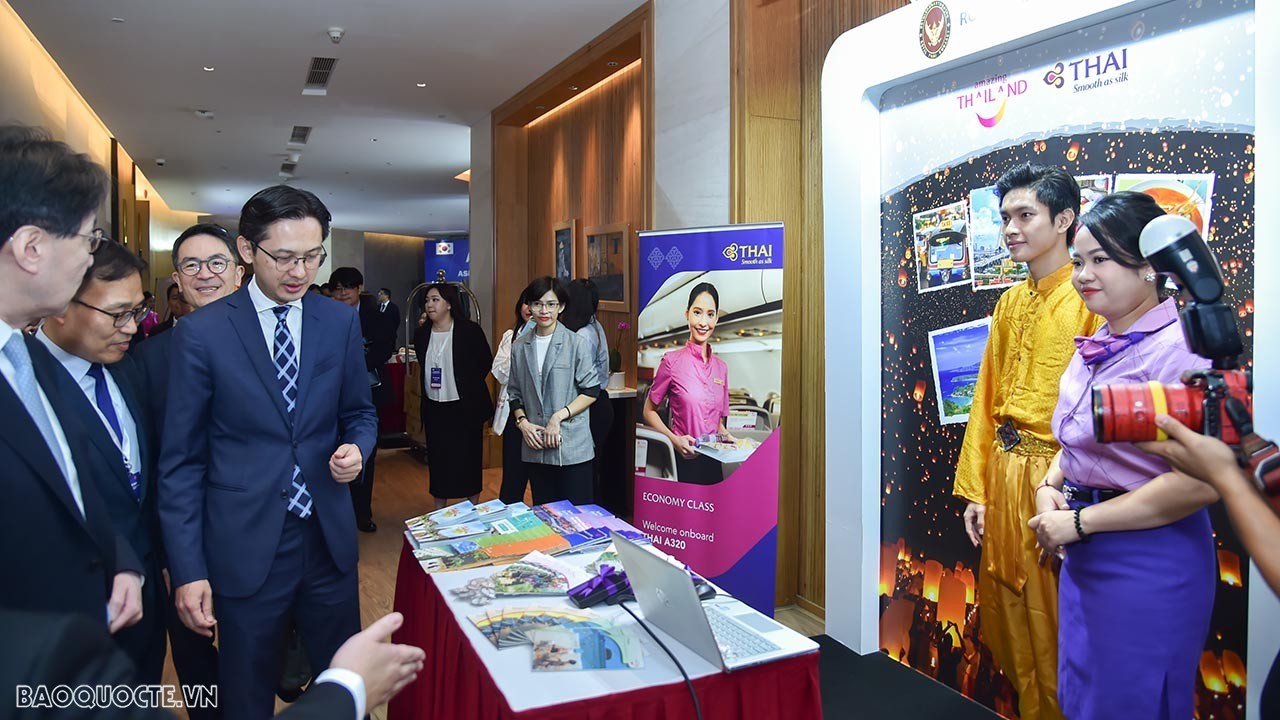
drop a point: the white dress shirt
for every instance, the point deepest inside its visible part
(10, 376)
(78, 367)
(265, 307)
(440, 355)
(354, 684)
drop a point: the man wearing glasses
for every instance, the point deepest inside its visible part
(204, 255)
(276, 418)
(64, 555)
(105, 394)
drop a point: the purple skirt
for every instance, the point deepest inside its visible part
(1133, 612)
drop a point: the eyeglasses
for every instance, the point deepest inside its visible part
(120, 319)
(216, 264)
(285, 263)
(95, 241)
(544, 305)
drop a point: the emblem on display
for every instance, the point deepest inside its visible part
(731, 252)
(935, 29)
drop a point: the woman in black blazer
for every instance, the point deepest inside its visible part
(455, 358)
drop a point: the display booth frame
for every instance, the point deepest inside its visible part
(862, 65)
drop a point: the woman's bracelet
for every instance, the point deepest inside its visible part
(1080, 528)
(1043, 484)
(567, 412)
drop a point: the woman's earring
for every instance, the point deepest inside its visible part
(1149, 277)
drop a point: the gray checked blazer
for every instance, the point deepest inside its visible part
(567, 371)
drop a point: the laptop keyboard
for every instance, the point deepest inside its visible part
(736, 642)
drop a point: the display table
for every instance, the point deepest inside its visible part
(466, 677)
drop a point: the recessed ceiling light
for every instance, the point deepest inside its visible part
(573, 87)
(612, 63)
(422, 84)
(208, 68)
(539, 107)
(374, 139)
(117, 20)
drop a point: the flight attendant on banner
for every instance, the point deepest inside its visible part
(695, 384)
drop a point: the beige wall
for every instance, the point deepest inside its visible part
(34, 91)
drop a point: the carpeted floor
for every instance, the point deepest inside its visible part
(873, 686)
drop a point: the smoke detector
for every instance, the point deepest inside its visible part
(336, 34)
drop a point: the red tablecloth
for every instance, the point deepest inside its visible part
(456, 685)
(391, 416)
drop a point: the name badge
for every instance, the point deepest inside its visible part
(717, 381)
(437, 378)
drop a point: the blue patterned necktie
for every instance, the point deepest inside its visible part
(29, 393)
(102, 398)
(285, 357)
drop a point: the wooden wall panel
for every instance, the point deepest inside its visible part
(586, 164)
(511, 222)
(777, 174)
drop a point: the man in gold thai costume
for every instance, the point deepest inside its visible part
(1008, 444)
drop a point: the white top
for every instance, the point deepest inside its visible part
(440, 355)
(10, 376)
(78, 368)
(265, 307)
(540, 345)
(501, 370)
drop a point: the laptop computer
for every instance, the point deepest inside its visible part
(726, 632)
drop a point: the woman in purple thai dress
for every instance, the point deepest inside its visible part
(1138, 564)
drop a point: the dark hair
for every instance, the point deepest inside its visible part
(112, 261)
(280, 202)
(521, 300)
(146, 295)
(448, 293)
(347, 277)
(211, 229)
(1053, 187)
(171, 290)
(593, 293)
(314, 288)
(1116, 221)
(547, 284)
(703, 287)
(45, 183)
(387, 291)
(579, 313)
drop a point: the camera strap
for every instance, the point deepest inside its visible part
(1262, 458)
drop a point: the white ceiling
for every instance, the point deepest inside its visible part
(145, 79)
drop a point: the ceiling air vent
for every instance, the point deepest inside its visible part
(318, 76)
(300, 135)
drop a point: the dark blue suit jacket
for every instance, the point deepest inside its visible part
(153, 357)
(230, 445)
(55, 559)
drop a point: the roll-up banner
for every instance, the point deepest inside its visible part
(710, 381)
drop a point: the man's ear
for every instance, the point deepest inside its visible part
(1064, 220)
(28, 245)
(246, 249)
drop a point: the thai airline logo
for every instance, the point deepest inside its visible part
(935, 29)
(1090, 73)
(761, 254)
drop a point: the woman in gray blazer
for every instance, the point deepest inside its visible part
(552, 383)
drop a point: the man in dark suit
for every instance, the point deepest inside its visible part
(104, 392)
(379, 344)
(62, 553)
(390, 313)
(255, 517)
(204, 256)
(47, 650)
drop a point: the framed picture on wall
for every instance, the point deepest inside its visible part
(564, 240)
(607, 257)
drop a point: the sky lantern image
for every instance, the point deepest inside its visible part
(888, 568)
(951, 604)
(895, 623)
(1233, 668)
(918, 393)
(1229, 568)
(1211, 672)
(1073, 152)
(932, 578)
